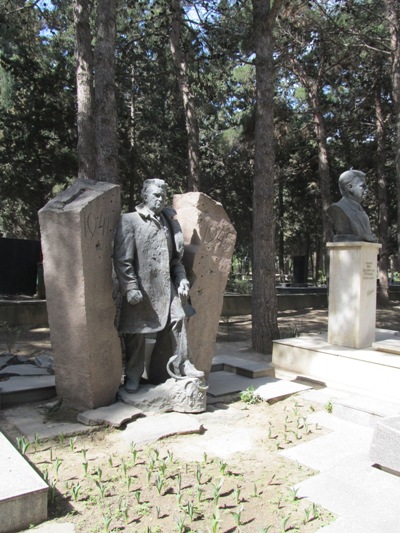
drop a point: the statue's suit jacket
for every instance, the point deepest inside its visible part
(147, 256)
(350, 219)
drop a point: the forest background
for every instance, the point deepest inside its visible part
(185, 96)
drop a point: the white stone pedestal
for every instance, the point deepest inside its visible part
(352, 293)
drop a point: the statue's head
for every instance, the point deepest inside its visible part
(154, 194)
(352, 185)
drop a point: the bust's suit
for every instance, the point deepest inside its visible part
(350, 221)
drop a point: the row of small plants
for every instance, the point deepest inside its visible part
(149, 490)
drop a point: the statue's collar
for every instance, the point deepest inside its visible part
(145, 212)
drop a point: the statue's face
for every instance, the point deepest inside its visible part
(155, 198)
(357, 189)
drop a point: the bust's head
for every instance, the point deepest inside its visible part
(352, 185)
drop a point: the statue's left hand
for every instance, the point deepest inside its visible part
(183, 289)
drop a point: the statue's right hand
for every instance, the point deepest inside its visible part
(134, 296)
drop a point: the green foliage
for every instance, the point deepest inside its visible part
(249, 396)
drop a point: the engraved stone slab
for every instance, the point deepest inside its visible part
(209, 243)
(77, 230)
(113, 415)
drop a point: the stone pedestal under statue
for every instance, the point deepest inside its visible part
(77, 230)
(352, 293)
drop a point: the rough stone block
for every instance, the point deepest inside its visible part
(209, 243)
(385, 445)
(77, 231)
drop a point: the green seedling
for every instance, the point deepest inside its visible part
(84, 453)
(205, 458)
(51, 455)
(162, 467)
(124, 510)
(198, 474)
(61, 438)
(23, 444)
(124, 468)
(293, 494)
(179, 481)
(329, 407)
(199, 493)
(217, 491)
(99, 473)
(237, 515)
(215, 521)
(137, 494)
(128, 482)
(159, 483)
(180, 522)
(158, 512)
(52, 491)
(134, 452)
(307, 513)
(110, 461)
(57, 466)
(237, 492)
(85, 468)
(72, 441)
(170, 456)
(148, 476)
(102, 488)
(222, 467)
(75, 489)
(107, 522)
(284, 522)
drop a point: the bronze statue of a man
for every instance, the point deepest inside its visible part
(350, 221)
(148, 250)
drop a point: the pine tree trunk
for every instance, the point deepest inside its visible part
(105, 104)
(192, 126)
(84, 81)
(393, 17)
(264, 306)
(382, 200)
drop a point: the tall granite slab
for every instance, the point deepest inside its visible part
(352, 293)
(209, 243)
(77, 230)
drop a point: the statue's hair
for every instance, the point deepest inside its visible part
(347, 177)
(153, 182)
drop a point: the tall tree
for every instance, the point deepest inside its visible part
(85, 92)
(392, 9)
(97, 113)
(192, 125)
(264, 306)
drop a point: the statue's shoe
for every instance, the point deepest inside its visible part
(131, 385)
(189, 370)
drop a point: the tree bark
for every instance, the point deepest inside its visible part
(105, 103)
(382, 201)
(392, 9)
(264, 306)
(192, 126)
(84, 81)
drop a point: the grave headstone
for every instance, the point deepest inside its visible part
(209, 243)
(77, 231)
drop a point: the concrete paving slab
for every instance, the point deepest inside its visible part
(153, 428)
(244, 367)
(388, 345)
(221, 414)
(23, 493)
(5, 358)
(114, 415)
(218, 441)
(222, 383)
(67, 527)
(385, 445)
(23, 370)
(32, 421)
(26, 389)
(278, 389)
